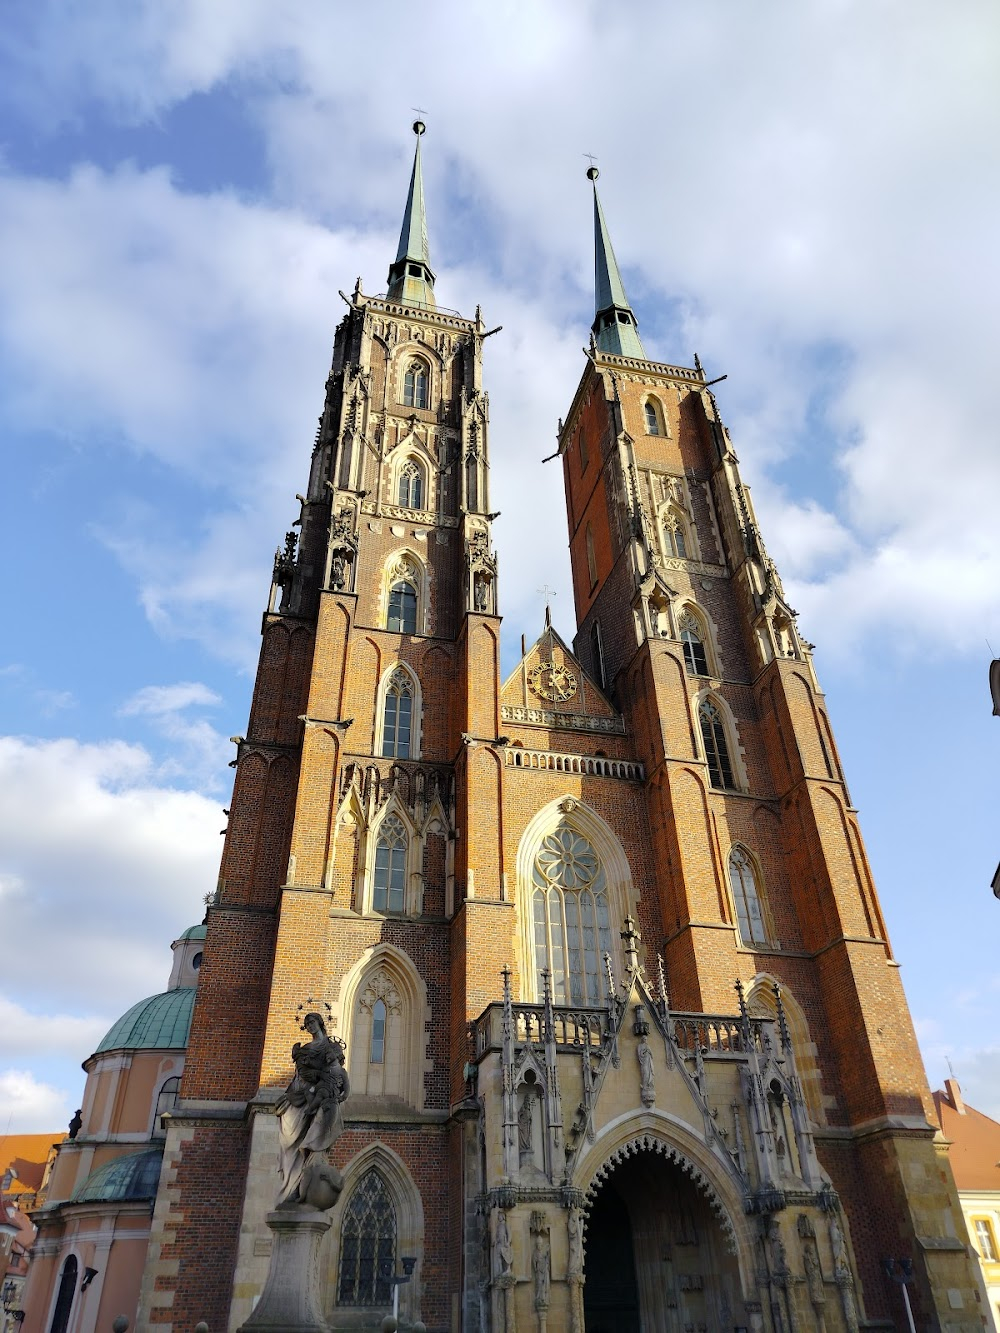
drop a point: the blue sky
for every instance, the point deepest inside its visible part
(806, 198)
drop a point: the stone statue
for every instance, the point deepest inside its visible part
(337, 569)
(814, 1275)
(503, 1250)
(481, 596)
(647, 1090)
(310, 1120)
(76, 1124)
(524, 1127)
(574, 1226)
(841, 1267)
(540, 1270)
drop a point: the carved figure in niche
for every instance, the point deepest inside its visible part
(310, 1120)
(524, 1125)
(481, 595)
(574, 1226)
(647, 1089)
(841, 1268)
(338, 569)
(540, 1268)
(503, 1250)
(814, 1275)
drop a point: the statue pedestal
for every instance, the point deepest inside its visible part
(290, 1301)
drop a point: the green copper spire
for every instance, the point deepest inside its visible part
(411, 279)
(614, 325)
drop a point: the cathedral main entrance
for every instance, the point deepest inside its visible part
(656, 1256)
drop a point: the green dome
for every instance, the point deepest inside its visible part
(194, 933)
(134, 1176)
(161, 1023)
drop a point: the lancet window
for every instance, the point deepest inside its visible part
(410, 491)
(746, 897)
(570, 918)
(389, 880)
(591, 556)
(713, 735)
(402, 612)
(674, 538)
(397, 716)
(652, 418)
(695, 657)
(376, 1050)
(368, 1244)
(415, 385)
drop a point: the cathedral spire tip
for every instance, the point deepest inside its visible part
(411, 279)
(614, 327)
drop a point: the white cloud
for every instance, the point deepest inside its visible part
(30, 1106)
(155, 700)
(105, 868)
(23, 1033)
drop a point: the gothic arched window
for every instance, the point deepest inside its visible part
(652, 420)
(415, 385)
(165, 1102)
(411, 486)
(673, 536)
(695, 657)
(713, 734)
(368, 1244)
(397, 715)
(389, 880)
(376, 1048)
(402, 615)
(64, 1301)
(746, 897)
(570, 917)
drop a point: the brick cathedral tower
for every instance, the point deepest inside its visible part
(627, 1045)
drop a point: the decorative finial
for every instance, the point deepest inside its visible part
(786, 1040)
(592, 172)
(419, 128)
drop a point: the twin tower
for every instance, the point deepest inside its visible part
(627, 1044)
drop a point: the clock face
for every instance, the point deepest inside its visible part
(549, 681)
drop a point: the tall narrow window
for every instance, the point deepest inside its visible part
(397, 717)
(695, 658)
(64, 1301)
(985, 1241)
(584, 454)
(591, 556)
(368, 1244)
(402, 615)
(746, 896)
(389, 883)
(597, 655)
(570, 917)
(411, 486)
(415, 385)
(673, 536)
(165, 1102)
(376, 1054)
(713, 734)
(652, 421)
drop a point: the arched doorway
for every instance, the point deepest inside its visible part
(656, 1255)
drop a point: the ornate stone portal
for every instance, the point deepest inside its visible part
(686, 1196)
(310, 1119)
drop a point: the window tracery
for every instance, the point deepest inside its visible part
(713, 735)
(570, 919)
(397, 714)
(674, 537)
(746, 897)
(692, 637)
(389, 878)
(415, 385)
(368, 1244)
(403, 596)
(410, 486)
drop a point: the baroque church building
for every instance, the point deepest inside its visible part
(627, 1045)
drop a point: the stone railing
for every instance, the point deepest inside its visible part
(555, 761)
(715, 1034)
(574, 1027)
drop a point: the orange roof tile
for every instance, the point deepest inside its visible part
(975, 1143)
(27, 1154)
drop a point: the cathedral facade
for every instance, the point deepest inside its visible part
(627, 1045)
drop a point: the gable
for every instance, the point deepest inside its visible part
(550, 688)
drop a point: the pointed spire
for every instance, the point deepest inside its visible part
(614, 326)
(411, 279)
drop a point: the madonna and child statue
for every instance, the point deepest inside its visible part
(310, 1120)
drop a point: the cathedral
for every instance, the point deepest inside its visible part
(626, 1042)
